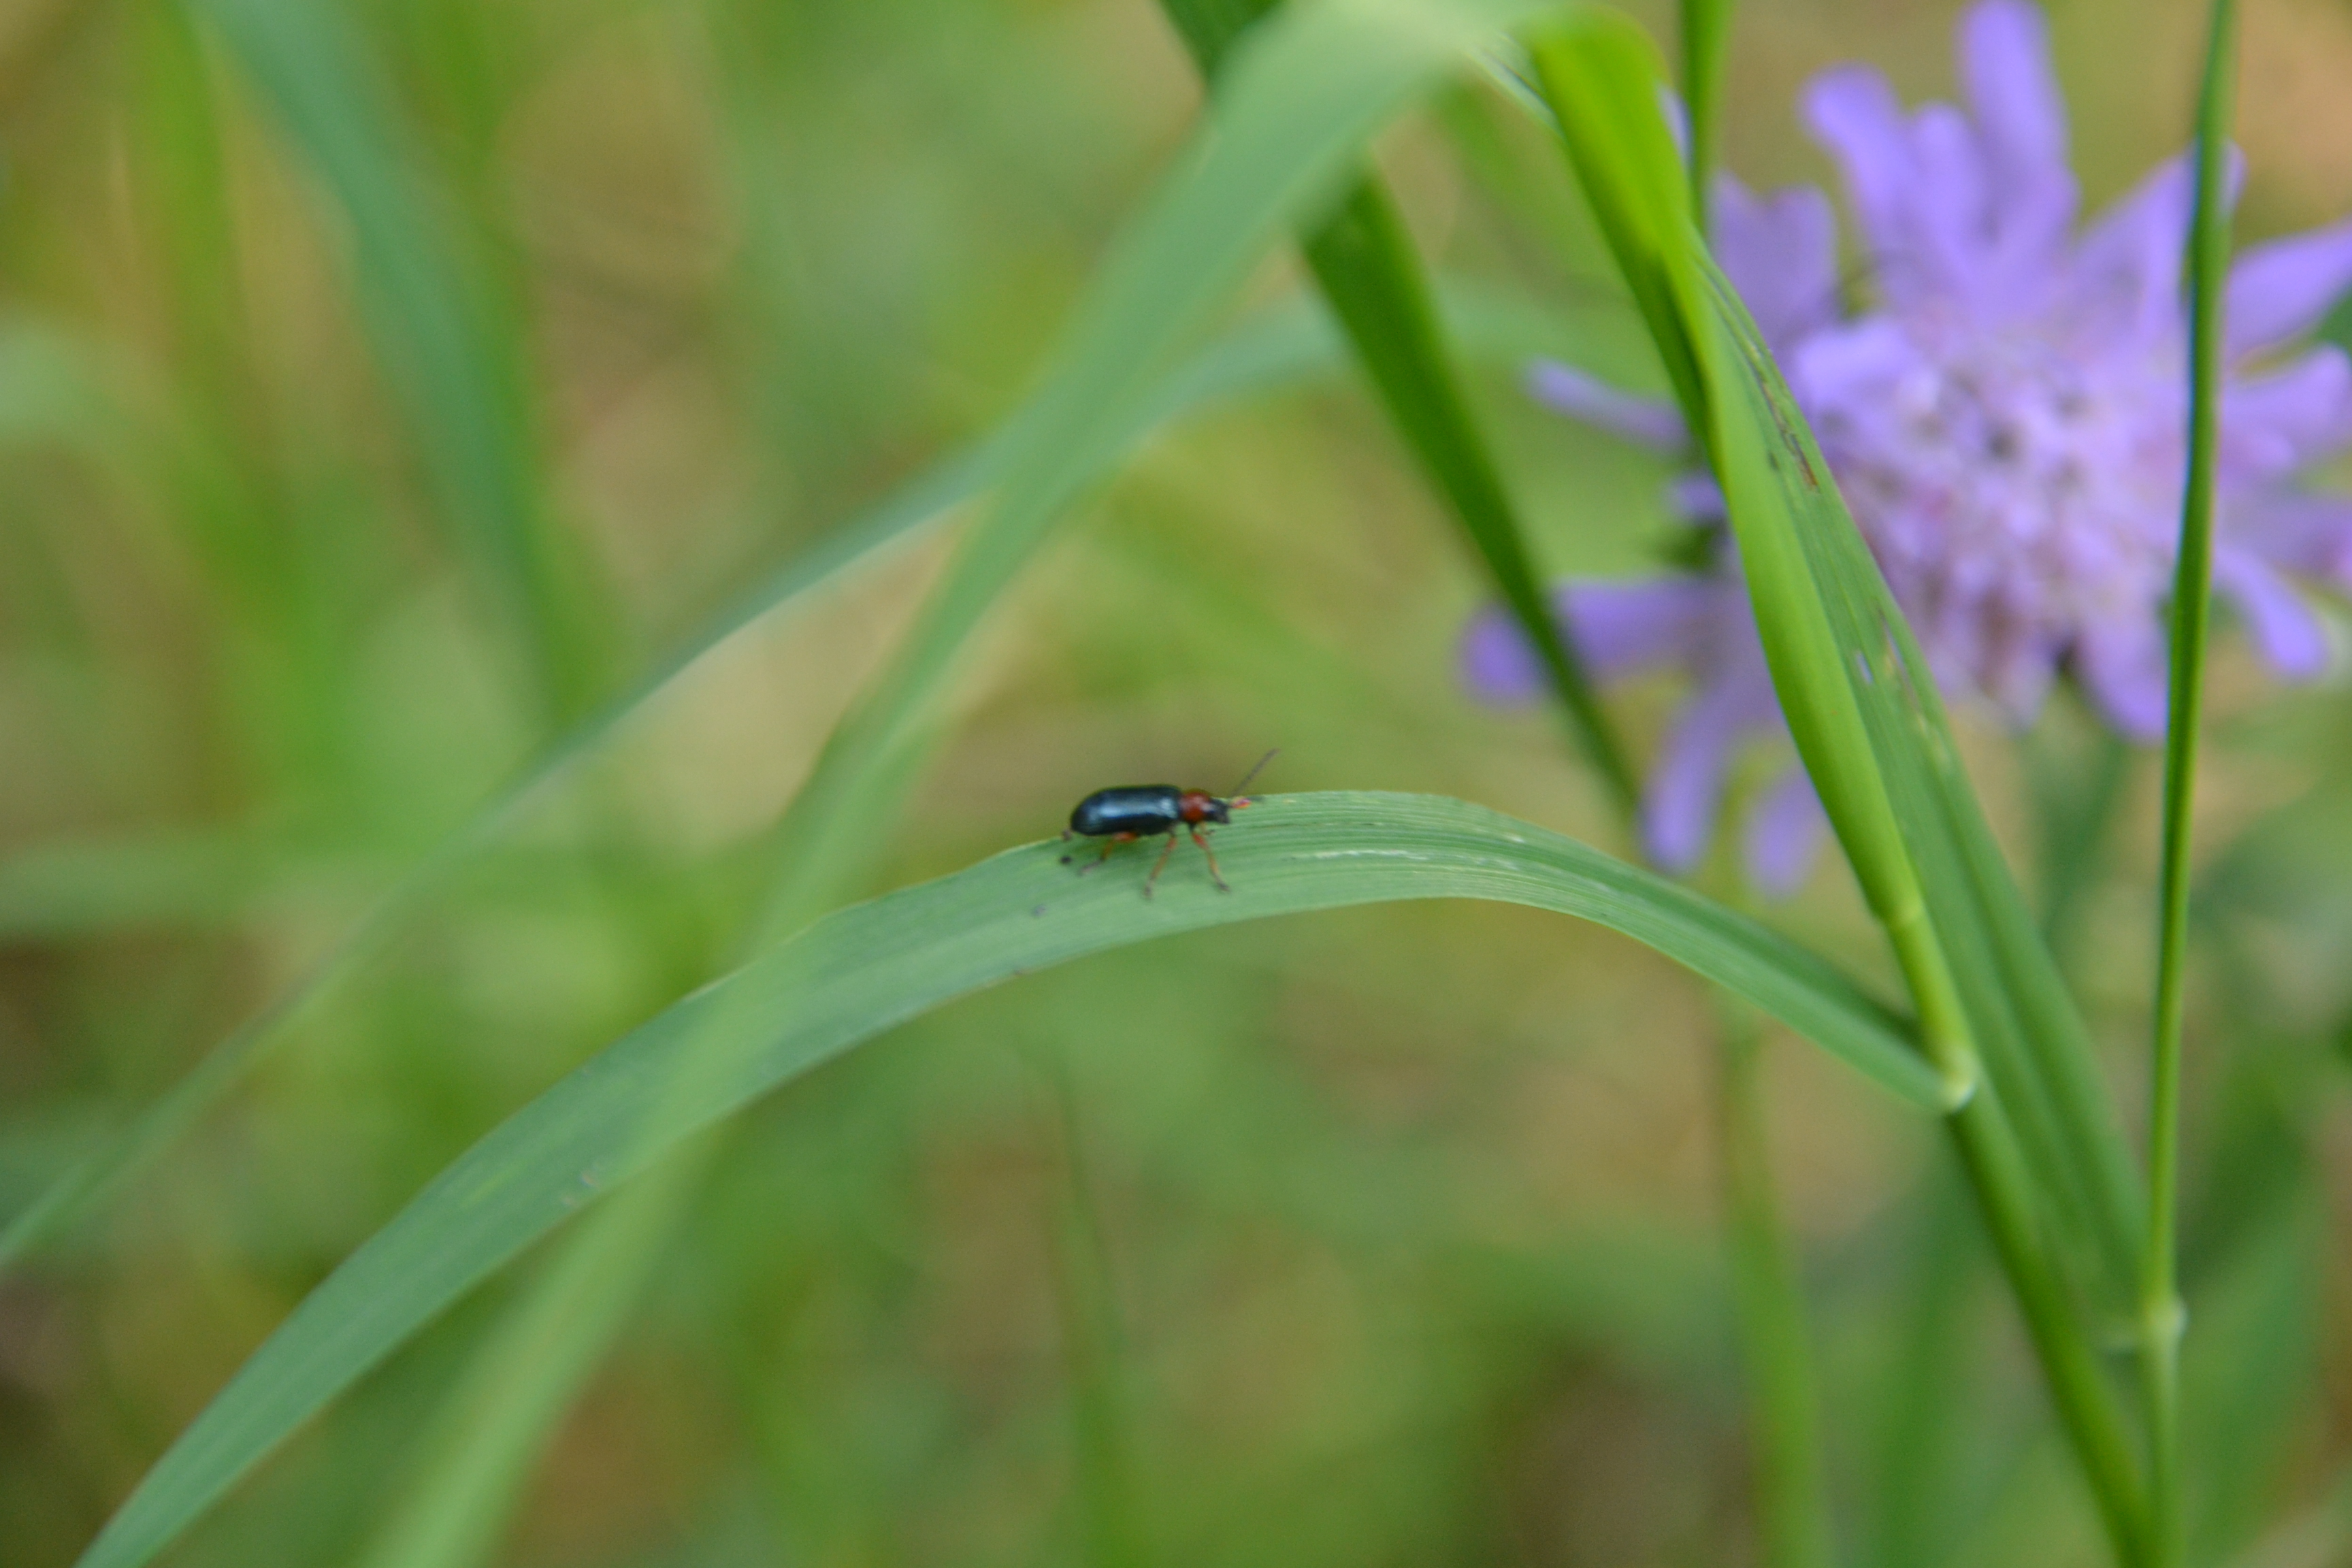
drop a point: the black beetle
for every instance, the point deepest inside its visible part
(1125, 812)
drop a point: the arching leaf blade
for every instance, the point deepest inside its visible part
(865, 968)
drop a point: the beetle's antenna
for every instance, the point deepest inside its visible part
(1256, 771)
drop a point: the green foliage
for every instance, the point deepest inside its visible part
(875, 965)
(1367, 1239)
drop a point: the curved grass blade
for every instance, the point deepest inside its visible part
(868, 967)
(1283, 346)
(1372, 278)
(1302, 97)
(1279, 347)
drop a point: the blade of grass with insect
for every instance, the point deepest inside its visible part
(1275, 152)
(452, 359)
(865, 968)
(2161, 1318)
(1870, 727)
(1371, 276)
(1276, 349)
(1233, 202)
(1266, 170)
(1302, 97)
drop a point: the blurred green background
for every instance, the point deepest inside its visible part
(384, 384)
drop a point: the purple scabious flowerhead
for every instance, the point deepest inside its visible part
(2007, 419)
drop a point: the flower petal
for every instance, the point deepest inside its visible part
(2279, 291)
(2005, 63)
(1855, 114)
(2274, 424)
(2297, 533)
(1620, 628)
(1651, 422)
(2121, 664)
(2020, 125)
(1686, 788)
(1785, 830)
(1616, 628)
(2128, 268)
(2126, 272)
(2283, 627)
(1497, 664)
(1780, 252)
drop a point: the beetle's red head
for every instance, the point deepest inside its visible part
(1198, 805)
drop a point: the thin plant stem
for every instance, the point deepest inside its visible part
(1767, 1296)
(1705, 29)
(1998, 1173)
(2075, 826)
(2162, 1318)
(1091, 1342)
(1784, 1411)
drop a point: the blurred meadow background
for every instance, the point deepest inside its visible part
(386, 387)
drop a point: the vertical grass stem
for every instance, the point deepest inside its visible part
(2162, 1318)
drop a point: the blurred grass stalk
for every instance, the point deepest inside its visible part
(2163, 1318)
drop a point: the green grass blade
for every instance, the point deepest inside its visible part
(2161, 1318)
(1278, 348)
(1863, 706)
(1792, 1519)
(526, 1375)
(1363, 260)
(1706, 35)
(452, 359)
(868, 967)
(1293, 113)
(1366, 266)
(1284, 346)
(1867, 713)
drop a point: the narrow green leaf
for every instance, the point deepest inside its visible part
(1867, 713)
(1363, 260)
(1862, 705)
(2162, 1317)
(868, 967)
(1706, 35)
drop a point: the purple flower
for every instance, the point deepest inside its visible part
(2006, 424)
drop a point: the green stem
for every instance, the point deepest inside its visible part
(1084, 1301)
(1792, 1521)
(1705, 29)
(1784, 1408)
(1997, 1172)
(2162, 1318)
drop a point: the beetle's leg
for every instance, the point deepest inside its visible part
(1161, 864)
(1214, 875)
(1109, 843)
